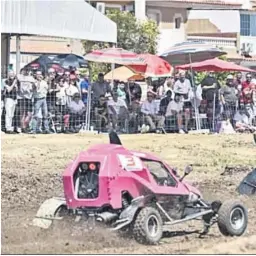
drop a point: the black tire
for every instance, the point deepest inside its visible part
(142, 227)
(226, 213)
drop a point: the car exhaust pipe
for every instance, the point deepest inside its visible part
(106, 217)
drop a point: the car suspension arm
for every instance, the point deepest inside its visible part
(189, 217)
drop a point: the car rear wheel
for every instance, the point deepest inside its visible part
(232, 218)
(148, 226)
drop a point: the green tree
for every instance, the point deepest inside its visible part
(132, 35)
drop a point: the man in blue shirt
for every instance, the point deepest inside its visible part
(84, 89)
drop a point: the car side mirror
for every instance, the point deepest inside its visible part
(188, 169)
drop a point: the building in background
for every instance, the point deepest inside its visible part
(232, 30)
(171, 16)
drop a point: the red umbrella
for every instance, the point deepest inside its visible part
(215, 65)
(155, 66)
(116, 56)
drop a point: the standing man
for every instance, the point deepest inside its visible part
(100, 88)
(41, 89)
(23, 112)
(11, 88)
(210, 87)
(183, 88)
(229, 98)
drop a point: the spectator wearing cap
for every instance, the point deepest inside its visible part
(40, 103)
(23, 111)
(210, 87)
(150, 113)
(100, 88)
(229, 98)
(11, 88)
(117, 111)
(77, 112)
(183, 87)
(71, 88)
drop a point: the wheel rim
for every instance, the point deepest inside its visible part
(237, 218)
(152, 225)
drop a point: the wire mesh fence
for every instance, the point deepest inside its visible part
(62, 108)
(48, 116)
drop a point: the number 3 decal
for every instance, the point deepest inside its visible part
(130, 163)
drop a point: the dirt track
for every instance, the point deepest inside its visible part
(31, 172)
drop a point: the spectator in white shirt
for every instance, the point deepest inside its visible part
(183, 87)
(242, 123)
(174, 111)
(61, 104)
(77, 112)
(117, 110)
(71, 89)
(149, 109)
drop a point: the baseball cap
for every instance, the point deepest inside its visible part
(230, 77)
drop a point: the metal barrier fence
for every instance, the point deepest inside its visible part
(20, 115)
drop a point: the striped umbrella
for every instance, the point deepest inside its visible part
(191, 51)
(115, 56)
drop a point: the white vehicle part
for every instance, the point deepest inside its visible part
(47, 212)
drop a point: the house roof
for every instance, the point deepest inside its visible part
(225, 35)
(212, 2)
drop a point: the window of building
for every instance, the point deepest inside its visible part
(248, 24)
(154, 15)
(177, 20)
(245, 24)
(177, 23)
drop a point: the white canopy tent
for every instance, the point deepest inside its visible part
(66, 18)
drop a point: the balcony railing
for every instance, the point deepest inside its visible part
(218, 41)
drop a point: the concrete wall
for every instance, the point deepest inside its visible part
(225, 21)
(169, 35)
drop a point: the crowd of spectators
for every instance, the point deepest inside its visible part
(39, 103)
